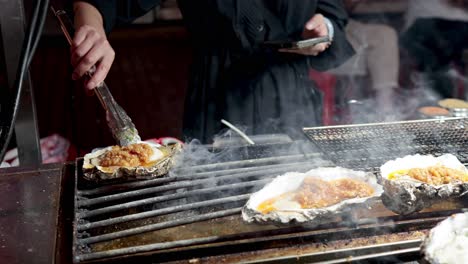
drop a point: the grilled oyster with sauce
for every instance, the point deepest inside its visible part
(448, 241)
(314, 196)
(136, 161)
(415, 182)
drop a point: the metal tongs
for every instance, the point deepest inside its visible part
(120, 124)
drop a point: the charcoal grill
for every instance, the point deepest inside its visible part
(193, 214)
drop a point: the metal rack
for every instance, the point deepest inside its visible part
(195, 211)
(368, 146)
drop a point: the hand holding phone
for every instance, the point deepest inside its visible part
(294, 45)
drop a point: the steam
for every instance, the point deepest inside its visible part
(405, 103)
(196, 153)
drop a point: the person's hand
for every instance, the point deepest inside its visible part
(90, 47)
(315, 27)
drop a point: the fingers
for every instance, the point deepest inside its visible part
(314, 22)
(100, 51)
(320, 47)
(315, 27)
(80, 35)
(84, 47)
(89, 48)
(309, 51)
(101, 71)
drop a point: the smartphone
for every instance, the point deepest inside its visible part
(296, 44)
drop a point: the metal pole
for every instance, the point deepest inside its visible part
(12, 28)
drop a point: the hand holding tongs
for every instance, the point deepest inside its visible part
(119, 122)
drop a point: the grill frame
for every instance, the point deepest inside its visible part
(237, 243)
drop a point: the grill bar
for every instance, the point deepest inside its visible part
(263, 165)
(169, 210)
(123, 186)
(248, 162)
(153, 200)
(261, 236)
(146, 248)
(210, 174)
(158, 226)
(351, 254)
(373, 256)
(192, 183)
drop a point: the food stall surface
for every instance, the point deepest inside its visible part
(29, 214)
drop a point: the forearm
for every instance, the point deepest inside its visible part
(87, 15)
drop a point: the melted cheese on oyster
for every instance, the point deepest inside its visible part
(434, 175)
(317, 193)
(134, 155)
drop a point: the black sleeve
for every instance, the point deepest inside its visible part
(341, 49)
(118, 12)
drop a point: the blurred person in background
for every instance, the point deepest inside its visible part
(233, 76)
(435, 38)
(168, 10)
(377, 56)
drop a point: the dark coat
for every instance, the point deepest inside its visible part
(233, 77)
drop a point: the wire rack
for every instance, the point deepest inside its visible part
(151, 215)
(368, 146)
(195, 210)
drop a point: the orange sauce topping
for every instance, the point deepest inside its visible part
(317, 193)
(437, 175)
(127, 156)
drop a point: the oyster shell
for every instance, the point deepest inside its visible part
(407, 195)
(288, 211)
(161, 161)
(448, 241)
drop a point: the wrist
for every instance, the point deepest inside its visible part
(87, 15)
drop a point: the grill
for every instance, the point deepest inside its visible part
(194, 213)
(368, 146)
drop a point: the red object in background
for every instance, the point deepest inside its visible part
(326, 82)
(54, 149)
(459, 82)
(164, 140)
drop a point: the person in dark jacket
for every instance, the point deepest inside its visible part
(233, 76)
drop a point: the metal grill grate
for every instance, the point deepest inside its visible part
(196, 209)
(112, 220)
(368, 146)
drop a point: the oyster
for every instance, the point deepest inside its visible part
(448, 241)
(432, 179)
(136, 161)
(307, 197)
